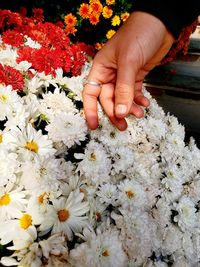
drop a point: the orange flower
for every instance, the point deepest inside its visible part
(107, 12)
(70, 30)
(124, 16)
(96, 6)
(70, 20)
(94, 19)
(98, 46)
(85, 11)
(110, 2)
(116, 20)
(110, 34)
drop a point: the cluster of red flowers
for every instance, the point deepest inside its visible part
(11, 76)
(56, 50)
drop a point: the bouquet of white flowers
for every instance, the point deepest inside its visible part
(78, 198)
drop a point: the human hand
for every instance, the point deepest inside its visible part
(121, 66)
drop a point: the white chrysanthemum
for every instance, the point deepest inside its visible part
(174, 126)
(56, 103)
(66, 215)
(23, 66)
(146, 168)
(131, 194)
(12, 202)
(181, 262)
(31, 43)
(154, 110)
(172, 240)
(29, 256)
(69, 128)
(103, 249)
(95, 164)
(151, 263)
(154, 128)
(31, 104)
(8, 98)
(162, 213)
(41, 174)
(187, 217)
(29, 142)
(8, 56)
(108, 134)
(75, 84)
(16, 116)
(123, 158)
(9, 166)
(59, 78)
(54, 245)
(137, 234)
(34, 85)
(108, 194)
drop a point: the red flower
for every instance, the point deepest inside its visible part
(38, 14)
(25, 54)
(11, 76)
(13, 38)
(47, 60)
(8, 18)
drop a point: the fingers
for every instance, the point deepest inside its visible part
(107, 102)
(124, 89)
(90, 95)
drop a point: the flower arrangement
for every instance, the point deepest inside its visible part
(74, 197)
(96, 21)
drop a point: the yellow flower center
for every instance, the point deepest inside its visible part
(5, 200)
(3, 98)
(63, 215)
(41, 198)
(105, 253)
(130, 194)
(32, 146)
(25, 221)
(93, 157)
(1, 138)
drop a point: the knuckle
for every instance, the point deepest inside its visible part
(123, 91)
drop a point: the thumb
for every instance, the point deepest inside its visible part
(124, 89)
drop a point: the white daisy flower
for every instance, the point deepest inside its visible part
(12, 202)
(95, 164)
(69, 128)
(29, 142)
(21, 231)
(186, 217)
(66, 216)
(103, 249)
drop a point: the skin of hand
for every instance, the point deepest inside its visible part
(121, 66)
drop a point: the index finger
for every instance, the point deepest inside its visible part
(90, 95)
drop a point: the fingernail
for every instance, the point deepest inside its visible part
(121, 109)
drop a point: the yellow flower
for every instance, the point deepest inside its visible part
(110, 2)
(124, 16)
(70, 20)
(115, 20)
(107, 12)
(110, 34)
(85, 11)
